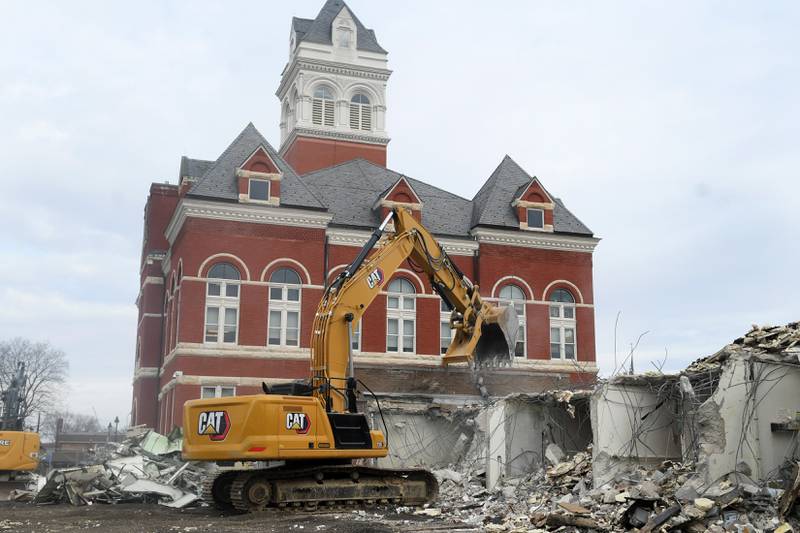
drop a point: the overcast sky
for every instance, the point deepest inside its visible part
(671, 129)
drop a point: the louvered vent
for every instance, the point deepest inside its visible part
(360, 116)
(316, 111)
(366, 117)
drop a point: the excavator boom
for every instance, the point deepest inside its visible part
(312, 431)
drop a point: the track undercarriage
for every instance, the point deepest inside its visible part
(314, 486)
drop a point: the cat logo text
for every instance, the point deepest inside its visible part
(375, 278)
(215, 424)
(300, 422)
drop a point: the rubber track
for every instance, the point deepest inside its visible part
(207, 492)
(308, 474)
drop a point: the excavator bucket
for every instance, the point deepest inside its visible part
(498, 338)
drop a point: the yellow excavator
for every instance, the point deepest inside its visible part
(19, 450)
(307, 438)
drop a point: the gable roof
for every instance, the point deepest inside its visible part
(524, 188)
(319, 29)
(219, 180)
(492, 203)
(386, 193)
(349, 191)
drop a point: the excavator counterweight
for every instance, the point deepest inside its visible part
(310, 432)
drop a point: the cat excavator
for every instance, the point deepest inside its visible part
(305, 443)
(19, 450)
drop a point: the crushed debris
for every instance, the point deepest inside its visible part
(645, 499)
(146, 467)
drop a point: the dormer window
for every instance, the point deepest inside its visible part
(344, 37)
(536, 218)
(259, 190)
(360, 113)
(322, 106)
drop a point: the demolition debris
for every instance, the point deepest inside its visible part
(711, 448)
(146, 467)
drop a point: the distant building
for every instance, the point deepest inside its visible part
(236, 256)
(72, 449)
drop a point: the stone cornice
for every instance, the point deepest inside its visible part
(260, 214)
(328, 67)
(367, 358)
(350, 237)
(145, 372)
(546, 241)
(270, 176)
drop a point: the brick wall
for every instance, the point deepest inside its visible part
(307, 154)
(258, 250)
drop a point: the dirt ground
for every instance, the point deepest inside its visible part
(143, 518)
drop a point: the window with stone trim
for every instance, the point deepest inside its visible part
(535, 218)
(563, 326)
(401, 316)
(284, 308)
(259, 190)
(513, 296)
(360, 112)
(323, 106)
(217, 391)
(222, 304)
(356, 338)
(445, 333)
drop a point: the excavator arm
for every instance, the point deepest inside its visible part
(484, 333)
(314, 428)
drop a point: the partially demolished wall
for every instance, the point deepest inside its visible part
(639, 426)
(503, 437)
(734, 413)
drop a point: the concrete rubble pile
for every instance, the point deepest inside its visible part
(780, 344)
(146, 467)
(562, 498)
(774, 339)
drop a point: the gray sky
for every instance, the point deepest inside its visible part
(670, 128)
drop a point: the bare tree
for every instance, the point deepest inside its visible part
(71, 423)
(46, 369)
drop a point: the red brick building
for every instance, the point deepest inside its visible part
(236, 255)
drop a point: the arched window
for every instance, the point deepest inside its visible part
(322, 106)
(360, 112)
(511, 295)
(401, 316)
(222, 303)
(562, 325)
(284, 308)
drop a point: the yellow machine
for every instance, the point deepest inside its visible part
(310, 432)
(19, 450)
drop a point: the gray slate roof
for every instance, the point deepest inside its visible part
(193, 168)
(219, 180)
(349, 190)
(319, 29)
(492, 203)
